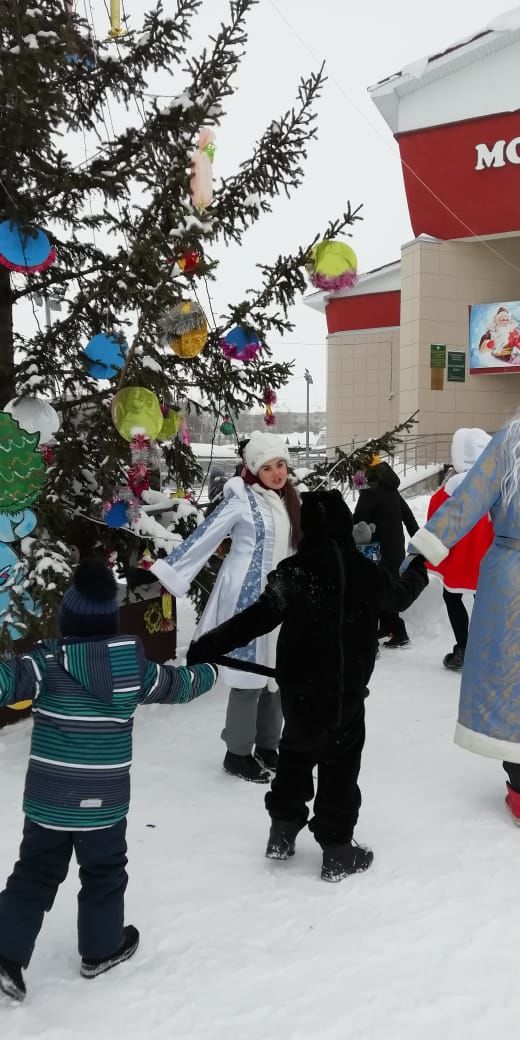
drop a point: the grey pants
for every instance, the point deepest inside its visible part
(252, 717)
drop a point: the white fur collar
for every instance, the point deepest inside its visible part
(235, 486)
(282, 526)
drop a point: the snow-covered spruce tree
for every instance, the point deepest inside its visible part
(117, 220)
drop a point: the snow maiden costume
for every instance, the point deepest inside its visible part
(257, 521)
(489, 709)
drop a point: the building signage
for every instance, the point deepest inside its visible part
(499, 154)
(456, 366)
(438, 355)
(494, 337)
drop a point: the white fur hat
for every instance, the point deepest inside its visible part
(466, 447)
(262, 448)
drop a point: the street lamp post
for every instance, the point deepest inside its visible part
(308, 379)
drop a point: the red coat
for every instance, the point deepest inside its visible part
(459, 571)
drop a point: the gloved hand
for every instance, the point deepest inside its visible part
(203, 650)
(412, 559)
(362, 533)
(139, 576)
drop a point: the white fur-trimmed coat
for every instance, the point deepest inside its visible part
(257, 522)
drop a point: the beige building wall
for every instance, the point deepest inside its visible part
(438, 282)
(362, 384)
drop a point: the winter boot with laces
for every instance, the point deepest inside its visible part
(339, 861)
(11, 980)
(246, 768)
(267, 757)
(97, 966)
(513, 803)
(282, 836)
(455, 660)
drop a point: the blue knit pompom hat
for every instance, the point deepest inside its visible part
(90, 606)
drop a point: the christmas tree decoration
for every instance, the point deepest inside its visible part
(332, 266)
(167, 611)
(116, 514)
(226, 428)
(269, 399)
(201, 181)
(105, 354)
(115, 19)
(171, 422)
(185, 329)
(34, 416)
(184, 433)
(22, 469)
(240, 344)
(146, 561)
(136, 410)
(14, 526)
(189, 262)
(121, 209)
(12, 575)
(24, 249)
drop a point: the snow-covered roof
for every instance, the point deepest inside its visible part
(380, 279)
(492, 85)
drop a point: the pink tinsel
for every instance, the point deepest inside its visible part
(270, 420)
(140, 449)
(23, 269)
(139, 478)
(269, 397)
(334, 284)
(184, 433)
(359, 480)
(244, 354)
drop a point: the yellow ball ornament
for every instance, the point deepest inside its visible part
(185, 329)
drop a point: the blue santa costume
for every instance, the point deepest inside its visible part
(489, 708)
(257, 522)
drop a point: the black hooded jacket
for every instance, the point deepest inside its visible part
(327, 598)
(382, 505)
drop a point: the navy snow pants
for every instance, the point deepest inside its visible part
(42, 865)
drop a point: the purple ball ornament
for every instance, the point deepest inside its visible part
(240, 344)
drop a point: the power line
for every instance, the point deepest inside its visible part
(339, 86)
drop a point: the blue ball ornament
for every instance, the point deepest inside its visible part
(106, 354)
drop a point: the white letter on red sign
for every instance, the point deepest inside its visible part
(512, 153)
(488, 157)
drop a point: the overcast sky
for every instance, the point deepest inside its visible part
(354, 157)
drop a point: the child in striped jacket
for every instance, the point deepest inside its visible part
(85, 688)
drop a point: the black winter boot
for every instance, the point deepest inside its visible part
(455, 660)
(246, 768)
(341, 860)
(96, 966)
(11, 981)
(267, 757)
(282, 836)
(395, 641)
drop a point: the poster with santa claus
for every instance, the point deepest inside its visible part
(494, 337)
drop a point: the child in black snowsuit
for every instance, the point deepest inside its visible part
(85, 688)
(327, 598)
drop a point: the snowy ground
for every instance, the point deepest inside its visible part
(422, 945)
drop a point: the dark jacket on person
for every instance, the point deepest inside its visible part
(381, 504)
(327, 598)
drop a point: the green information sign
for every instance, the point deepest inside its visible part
(456, 366)
(437, 355)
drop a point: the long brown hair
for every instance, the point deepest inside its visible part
(293, 506)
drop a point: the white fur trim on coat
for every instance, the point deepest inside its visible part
(490, 747)
(428, 545)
